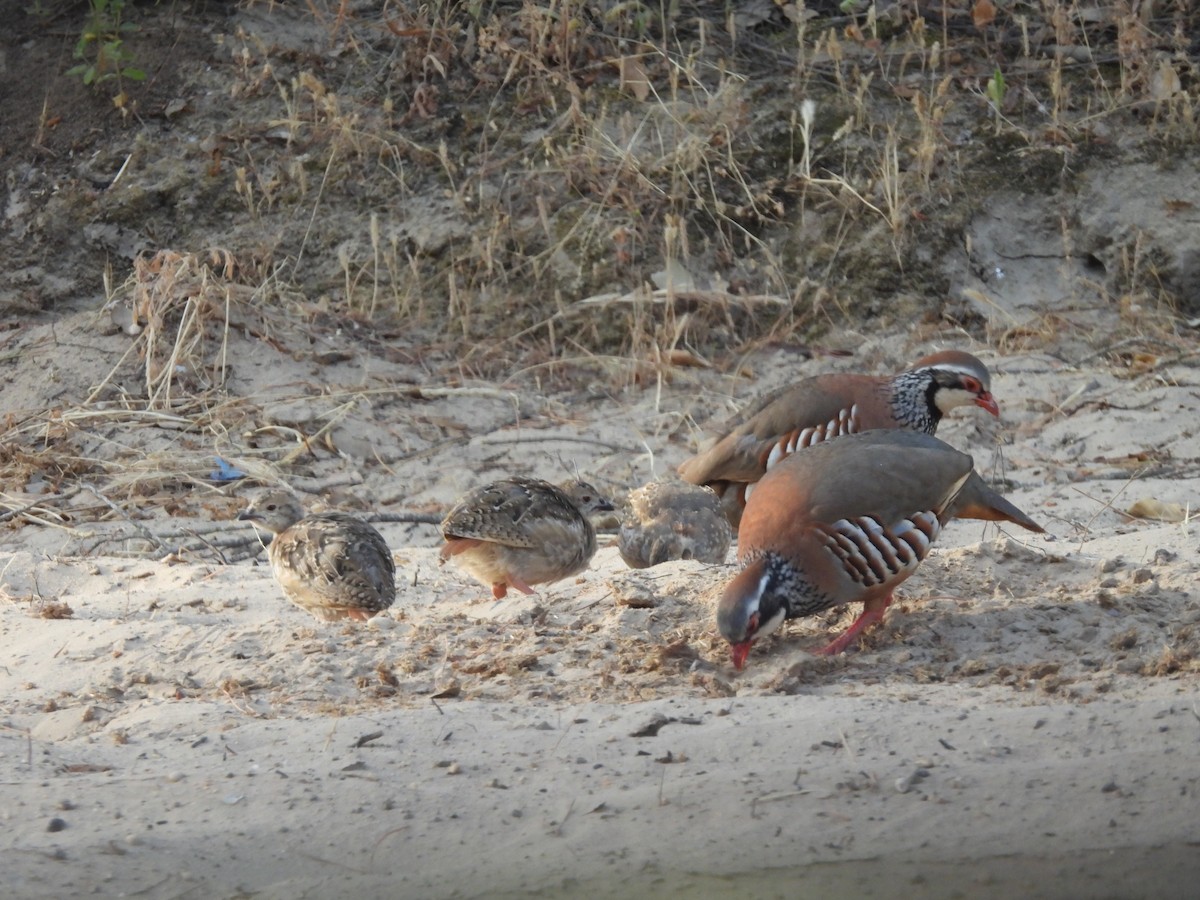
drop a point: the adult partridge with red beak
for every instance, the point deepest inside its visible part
(827, 406)
(845, 521)
(329, 564)
(519, 532)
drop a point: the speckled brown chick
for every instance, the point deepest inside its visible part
(329, 564)
(519, 532)
(670, 519)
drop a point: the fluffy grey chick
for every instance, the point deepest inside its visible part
(671, 519)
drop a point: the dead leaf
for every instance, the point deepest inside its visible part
(983, 14)
(633, 77)
(686, 359)
(1157, 510)
(1165, 82)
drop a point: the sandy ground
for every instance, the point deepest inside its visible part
(1024, 723)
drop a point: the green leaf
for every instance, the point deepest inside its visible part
(133, 74)
(996, 87)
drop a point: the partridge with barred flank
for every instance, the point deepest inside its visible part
(846, 521)
(520, 532)
(329, 564)
(827, 406)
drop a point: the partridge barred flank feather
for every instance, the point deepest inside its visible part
(826, 406)
(847, 521)
(519, 532)
(329, 564)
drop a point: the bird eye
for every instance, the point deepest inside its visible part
(271, 507)
(972, 385)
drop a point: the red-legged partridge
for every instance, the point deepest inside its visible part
(670, 519)
(847, 521)
(827, 406)
(520, 532)
(329, 564)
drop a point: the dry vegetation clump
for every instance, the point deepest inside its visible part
(514, 158)
(594, 192)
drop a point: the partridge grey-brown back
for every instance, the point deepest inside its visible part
(823, 407)
(329, 564)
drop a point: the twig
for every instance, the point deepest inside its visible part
(558, 829)
(13, 512)
(413, 518)
(572, 438)
(142, 530)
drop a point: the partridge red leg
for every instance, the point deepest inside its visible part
(873, 611)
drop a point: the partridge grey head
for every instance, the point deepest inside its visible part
(826, 406)
(847, 521)
(519, 532)
(329, 564)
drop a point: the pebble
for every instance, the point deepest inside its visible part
(56, 824)
(905, 783)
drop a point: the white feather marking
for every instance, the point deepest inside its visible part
(769, 626)
(878, 564)
(866, 554)
(866, 523)
(778, 452)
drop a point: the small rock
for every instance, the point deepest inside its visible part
(56, 824)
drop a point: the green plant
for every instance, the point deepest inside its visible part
(102, 48)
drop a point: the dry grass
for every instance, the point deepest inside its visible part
(559, 189)
(580, 150)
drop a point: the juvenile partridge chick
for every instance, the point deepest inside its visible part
(519, 532)
(825, 406)
(846, 521)
(329, 564)
(671, 519)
